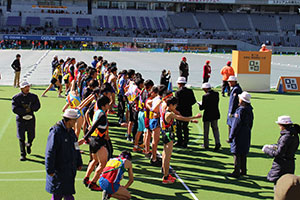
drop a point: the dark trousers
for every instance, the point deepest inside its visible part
(182, 127)
(121, 108)
(240, 164)
(205, 79)
(215, 129)
(224, 86)
(22, 128)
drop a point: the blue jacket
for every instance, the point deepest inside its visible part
(240, 132)
(233, 102)
(284, 153)
(62, 158)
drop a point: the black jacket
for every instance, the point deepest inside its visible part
(210, 105)
(164, 79)
(183, 69)
(284, 153)
(16, 65)
(186, 100)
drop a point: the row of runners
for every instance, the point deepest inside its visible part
(151, 111)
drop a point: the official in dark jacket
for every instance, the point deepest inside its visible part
(186, 99)
(62, 157)
(211, 115)
(233, 100)
(16, 65)
(184, 69)
(285, 149)
(24, 105)
(240, 135)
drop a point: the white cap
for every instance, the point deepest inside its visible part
(206, 85)
(232, 78)
(284, 120)
(263, 45)
(181, 79)
(245, 96)
(24, 84)
(71, 114)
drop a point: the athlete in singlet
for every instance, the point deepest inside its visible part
(112, 175)
(73, 100)
(97, 137)
(55, 80)
(168, 130)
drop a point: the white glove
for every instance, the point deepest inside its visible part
(264, 147)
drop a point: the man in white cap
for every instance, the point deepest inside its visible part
(233, 99)
(240, 135)
(211, 115)
(62, 158)
(285, 149)
(186, 99)
(24, 104)
(264, 48)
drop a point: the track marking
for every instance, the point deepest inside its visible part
(5, 127)
(182, 182)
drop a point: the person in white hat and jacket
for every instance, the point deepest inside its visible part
(24, 105)
(285, 149)
(211, 115)
(62, 157)
(240, 135)
(233, 100)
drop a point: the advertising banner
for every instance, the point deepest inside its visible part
(51, 37)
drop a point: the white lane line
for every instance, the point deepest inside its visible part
(23, 172)
(5, 127)
(183, 183)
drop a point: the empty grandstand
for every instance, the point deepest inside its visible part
(218, 24)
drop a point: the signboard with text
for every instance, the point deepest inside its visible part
(56, 38)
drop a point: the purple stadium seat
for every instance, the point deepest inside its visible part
(64, 21)
(148, 23)
(129, 22)
(101, 21)
(115, 21)
(157, 23)
(106, 24)
(33, 21)
(83, 22)
(120, 22)
(134, 22)
(14, 21)
(143, 22)
(162, 23)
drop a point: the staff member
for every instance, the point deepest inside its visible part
(240, 135)
(285, 149)
(233, 100)
(211, 115)
(184, 69)
(16, 65)
(226, 72)
(206, 72)
(186, 99)
(62, 158)
(24, 105)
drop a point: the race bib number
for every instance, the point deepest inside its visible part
(113, 163)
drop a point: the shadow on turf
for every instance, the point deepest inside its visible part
(6, 99)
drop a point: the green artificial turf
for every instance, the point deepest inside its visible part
(203, 171)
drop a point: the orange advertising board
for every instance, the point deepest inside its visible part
(251, 62)
(289, 84)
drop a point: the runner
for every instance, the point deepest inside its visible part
(113, 174)
(97, 137)
(168, 134)
(56, 80)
